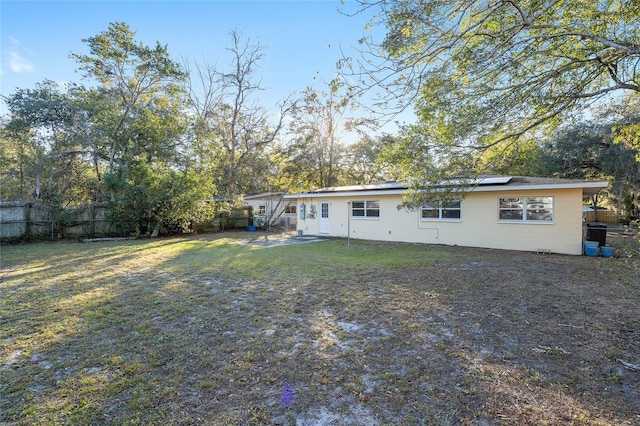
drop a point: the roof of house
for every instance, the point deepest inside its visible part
(482, 183)
(263, 195)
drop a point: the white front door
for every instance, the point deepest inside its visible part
(323, 221)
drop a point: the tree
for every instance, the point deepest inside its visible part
(526, 158)
(231, 129)
(139, 124)
(294, 168)
(412, 158)
(626, 116)
(481, 73)
(601, 148)
(363, 161)
(14, 159)
(626, 133)
(124, 141)
(48, 158)
(137, 80)
(318, 127)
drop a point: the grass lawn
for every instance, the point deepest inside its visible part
(203, 330)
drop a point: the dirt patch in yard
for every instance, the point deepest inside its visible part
(472, 336)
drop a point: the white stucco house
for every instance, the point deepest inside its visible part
(501, 212)
(272, 209)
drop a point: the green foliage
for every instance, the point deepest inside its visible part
(122, 141)
(417, 161)
(526, 158)
(46, 156)
(626, 130)
(602, 148)
(364, 163)
(316, 146)
(139, 84)
(483, 73)
(158, 196)
(139, 107)
(118, 62)
(10, 167)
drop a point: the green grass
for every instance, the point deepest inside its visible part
(85, 321)
(204, 330)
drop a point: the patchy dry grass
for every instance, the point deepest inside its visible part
(202, 330)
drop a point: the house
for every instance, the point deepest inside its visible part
(500, 212)
(271, 209)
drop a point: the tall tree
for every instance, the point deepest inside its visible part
(483, 72)
(412, 157)
(526, 158)
(123, 141)
(137, 80)
(364, 162)
(16, 158)
(232, 130)
(601, 148)
(48, 156)
(318, 129)
(139, 124)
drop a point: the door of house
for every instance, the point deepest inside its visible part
(323, 221)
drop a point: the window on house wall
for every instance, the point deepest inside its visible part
(290, 210)
(441, 210)
(368, 209)
(262, 210)
(526, 209)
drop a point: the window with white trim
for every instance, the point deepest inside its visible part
(526, 209)
(290, 209)
(441, 210)
(365, 209)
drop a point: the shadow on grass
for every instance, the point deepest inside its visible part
(204, 330)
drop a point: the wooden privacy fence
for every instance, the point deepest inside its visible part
(32, 220)
(88, 221)
(25, 220)
(607, 216)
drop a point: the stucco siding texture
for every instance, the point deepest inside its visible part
(478, 225)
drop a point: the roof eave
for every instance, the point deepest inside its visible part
(588, 189)
(595, 185)
(346, 193)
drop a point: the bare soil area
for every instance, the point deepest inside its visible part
(467, 337)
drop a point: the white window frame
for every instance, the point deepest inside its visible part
(528, 206)
(368, 207)
(290, 209)
(441, 209)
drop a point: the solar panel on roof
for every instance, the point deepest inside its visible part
(494, 180)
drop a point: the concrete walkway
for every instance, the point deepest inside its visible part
(277, 240)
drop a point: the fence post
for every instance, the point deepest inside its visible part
(27, 221)
(91, 220)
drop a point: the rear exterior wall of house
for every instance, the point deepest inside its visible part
(478, 224)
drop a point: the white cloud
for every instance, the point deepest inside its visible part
(18, 64)
(16, 61)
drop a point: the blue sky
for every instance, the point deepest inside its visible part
(303, 38)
